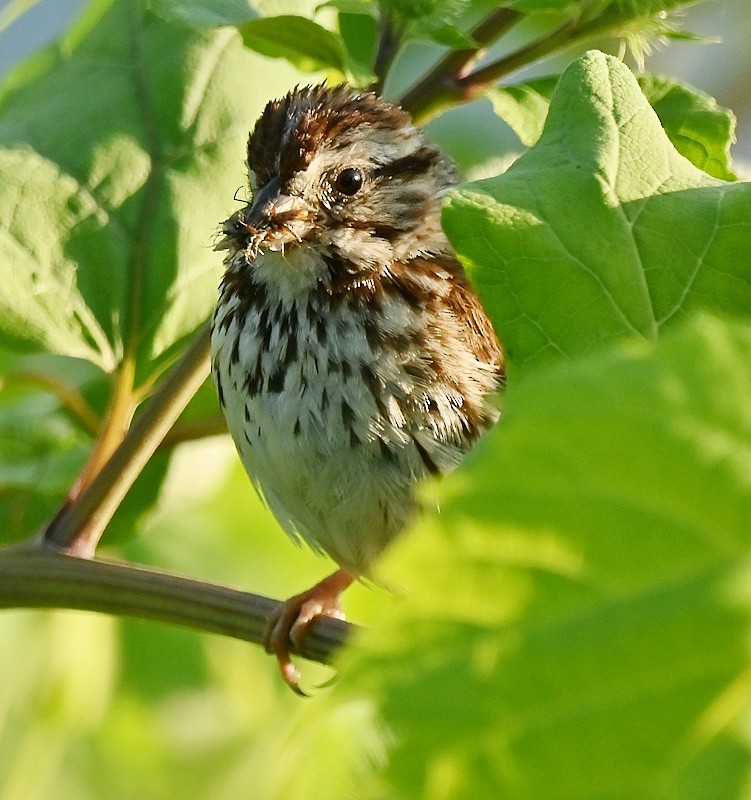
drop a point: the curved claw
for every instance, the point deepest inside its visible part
(288, 626)
(290, 674)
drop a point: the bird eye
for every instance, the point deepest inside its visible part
(349, 181)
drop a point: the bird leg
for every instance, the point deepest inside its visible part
(288, 625)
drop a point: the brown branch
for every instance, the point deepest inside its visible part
(389, 41)
(452, 81)
(34, 577)
(441, 87)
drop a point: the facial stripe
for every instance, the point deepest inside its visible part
(418, 163)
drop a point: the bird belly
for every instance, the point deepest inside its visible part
(332, 468)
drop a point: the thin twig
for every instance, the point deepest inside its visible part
(440, 86)
(477, 82)
(452, 81)
(190, 431)
(34, 577)
(607, 22)
(389, 41)
(79, 525)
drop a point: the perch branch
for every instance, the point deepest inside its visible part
(34, 577)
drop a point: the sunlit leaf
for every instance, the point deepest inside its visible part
(699, 129)
(113, 180)
(302, 42)
(602, 229)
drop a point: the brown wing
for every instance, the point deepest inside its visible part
(451, 287)
(481, 336)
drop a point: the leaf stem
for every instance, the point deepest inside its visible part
(119, 414)
(34, 577)
(80, 523)
(123, 404)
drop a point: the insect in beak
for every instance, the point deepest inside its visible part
(271, 221)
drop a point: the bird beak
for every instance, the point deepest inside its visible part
(271, 208)
(262, 210)
(272, 221)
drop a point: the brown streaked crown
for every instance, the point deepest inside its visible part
(290, 130)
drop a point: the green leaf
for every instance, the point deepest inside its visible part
(304, 43)
(688, 36)
(701, 130)
(198, 14)
(120, 150)
(602, 230)
(357, 7)
(577, 616)
(359, 34)
(364, 7)
(436, 10)
(447, 35)
(42, 446)
(432, 21)
(524, 107)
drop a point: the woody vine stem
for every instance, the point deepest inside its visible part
(57, 568)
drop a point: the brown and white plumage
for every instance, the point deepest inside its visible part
(350, 354)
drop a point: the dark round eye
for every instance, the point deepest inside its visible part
(349, 181)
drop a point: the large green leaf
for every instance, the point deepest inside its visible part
(699, 129)
(578, 612)
(120, 150)
(602, 229)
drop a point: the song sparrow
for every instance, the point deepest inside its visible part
(350, 354)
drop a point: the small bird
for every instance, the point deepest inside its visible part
(350, 354)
